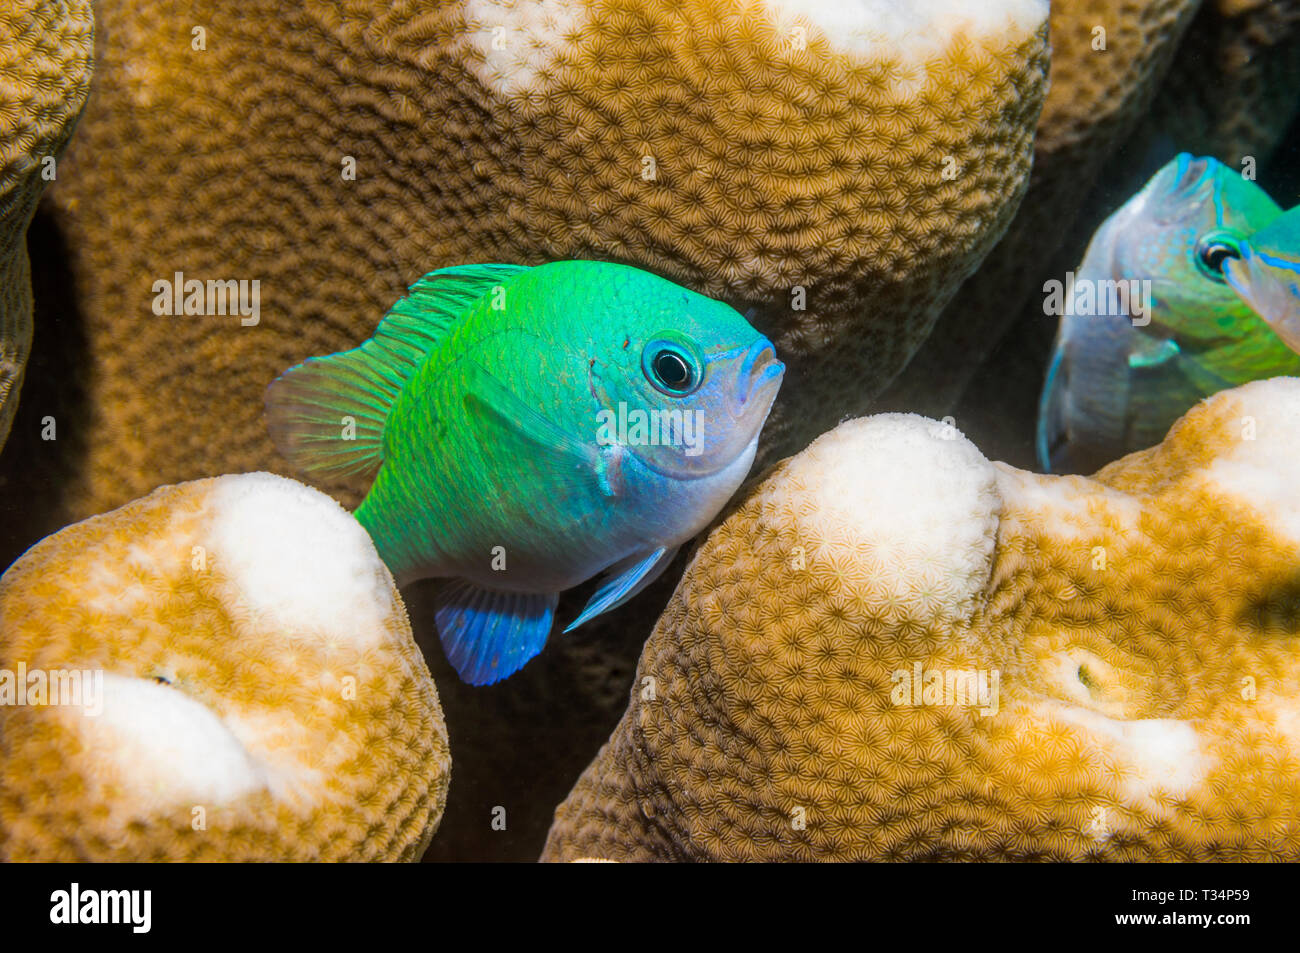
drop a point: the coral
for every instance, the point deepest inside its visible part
(45, 63)
(1097, 98)
(248, 687)
(1230, 92)
(336, 151)
(1104, 668)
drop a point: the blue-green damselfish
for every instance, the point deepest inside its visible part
(1119, 377)
(527, 428)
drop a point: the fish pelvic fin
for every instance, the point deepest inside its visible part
(489, 635)
(326, 416)
(624, 580)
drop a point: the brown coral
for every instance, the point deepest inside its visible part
(45, 62)
(897, 650)
(233, 161)
(236, 680)
(1231, 90)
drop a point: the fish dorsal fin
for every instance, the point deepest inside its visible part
(420, 320)
(1050, 408)
(327, 414)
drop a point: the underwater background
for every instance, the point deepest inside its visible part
(884, 206)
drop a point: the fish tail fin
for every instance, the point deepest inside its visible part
(489, 635)
(327, 415)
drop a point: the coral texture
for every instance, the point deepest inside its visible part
(45, 63)
(895, 649)
(1231, 90)
(260, 696)
(235, 161)
(336, 151)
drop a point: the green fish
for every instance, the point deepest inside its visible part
(1267, 276)
(1119, 377)
(529, 428)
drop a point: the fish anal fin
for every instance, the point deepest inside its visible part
(489, 635)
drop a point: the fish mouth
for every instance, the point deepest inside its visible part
(1174, 195)
(729, 418)
(758, 380)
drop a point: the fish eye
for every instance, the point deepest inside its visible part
(671, 367)
(1213, 252)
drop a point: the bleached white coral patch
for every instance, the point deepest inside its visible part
(910, 31)
(910, 501)
(164, 748)
(1283, 713)
(1258, 460)
(1161, 755)
(297, 558)
(514, 40)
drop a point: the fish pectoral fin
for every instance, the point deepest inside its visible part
(507, 417)
(624, 580)
(1152, 352)
(489, 635)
